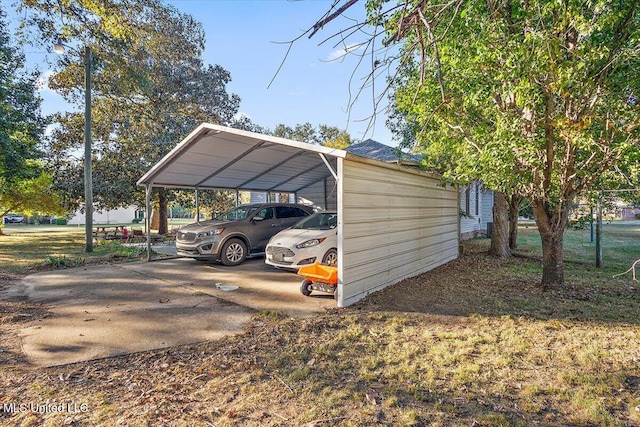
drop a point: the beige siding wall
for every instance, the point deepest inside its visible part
(393, 224)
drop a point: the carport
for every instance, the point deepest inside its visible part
(394, 222)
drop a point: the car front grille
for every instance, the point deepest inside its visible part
(272, 250)
(186, 237)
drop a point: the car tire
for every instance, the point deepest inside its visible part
(234, 252)
(331, 257)
(306, 287)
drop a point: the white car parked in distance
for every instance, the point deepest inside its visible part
(315, 238)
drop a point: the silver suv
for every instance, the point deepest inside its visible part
(230, 237)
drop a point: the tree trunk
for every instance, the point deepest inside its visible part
(159, 218)
(163, 223)
(551, 228)
(514, 210)
(552, 259)
(500, 236)
(155, 219)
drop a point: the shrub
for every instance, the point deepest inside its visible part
(60, 221)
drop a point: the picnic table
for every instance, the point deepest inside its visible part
(107, 232)
(120, 232)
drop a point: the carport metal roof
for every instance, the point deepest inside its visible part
(218, 157)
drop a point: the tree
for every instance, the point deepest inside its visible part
(539, 102)
(538, 98)
(334, 138)
(328, 136)
(150, 89)
(23, 185)
(21, 123)
(32, 196)
(301, 132)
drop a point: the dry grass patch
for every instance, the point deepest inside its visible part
(474, 342)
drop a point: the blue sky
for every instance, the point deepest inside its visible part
(249, 39)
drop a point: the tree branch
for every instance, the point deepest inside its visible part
(632, 270)
(321, 23)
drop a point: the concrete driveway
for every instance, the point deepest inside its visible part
(100, 311)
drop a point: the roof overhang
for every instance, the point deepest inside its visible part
(218, 157)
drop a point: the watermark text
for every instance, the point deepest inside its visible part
(45, 407)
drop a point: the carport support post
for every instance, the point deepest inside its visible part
(197, 204)
(147, 220)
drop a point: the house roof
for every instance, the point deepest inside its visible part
(378, 151)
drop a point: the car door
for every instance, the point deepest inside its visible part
(264, 224)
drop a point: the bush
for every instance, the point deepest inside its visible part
(638, 215)
(60, 221)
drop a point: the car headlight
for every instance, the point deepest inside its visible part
(309, 243)
(210, 233)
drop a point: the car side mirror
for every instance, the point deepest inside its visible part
(257, 218)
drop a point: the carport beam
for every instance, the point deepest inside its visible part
(326, 162)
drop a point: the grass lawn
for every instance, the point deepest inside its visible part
(620, 244)
(471, 343)
(25, 252)
(26, 248)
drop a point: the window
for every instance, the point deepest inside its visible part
(285, 212)
(300, 212)
(265, 213)
(290, 212)
(318, 221)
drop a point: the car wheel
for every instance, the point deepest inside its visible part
(330, 258)
(306, 287)
(234, 252)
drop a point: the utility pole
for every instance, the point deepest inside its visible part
(88, 179)
(59, 48)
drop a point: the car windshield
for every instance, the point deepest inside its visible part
(318, 221)
(241, 212)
